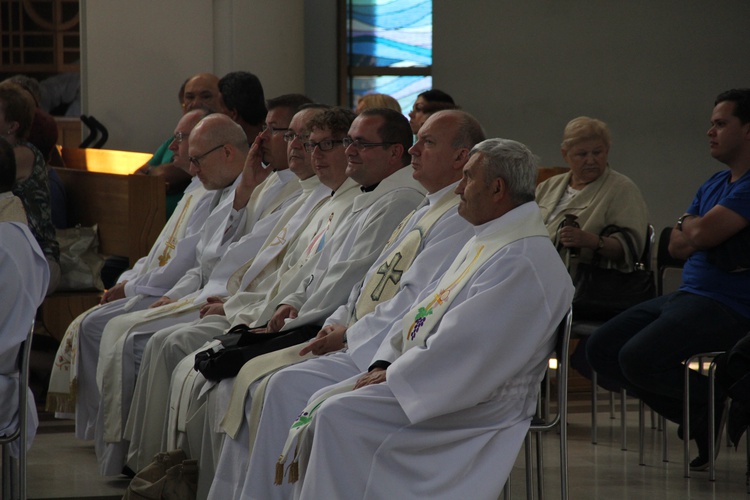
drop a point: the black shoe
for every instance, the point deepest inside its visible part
(701, 437)
(701, 463)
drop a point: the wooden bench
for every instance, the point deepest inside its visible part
(130, 212)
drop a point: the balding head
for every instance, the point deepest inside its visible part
(218, 148)
(442, 148)
(202, 90)
(180, 141)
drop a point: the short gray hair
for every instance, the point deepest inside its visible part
(514, 163)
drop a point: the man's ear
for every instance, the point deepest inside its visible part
(499, 189)
(461, 158)
(397, 152)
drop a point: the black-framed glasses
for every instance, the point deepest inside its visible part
(196, 160)
(273, 129)
(178, 137)
(325, 145)
(290, 136)
(348, 141)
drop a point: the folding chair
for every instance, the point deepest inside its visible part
(17, 466)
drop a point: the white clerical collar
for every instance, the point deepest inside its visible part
(310, 183)
(5, 195)
(520, 212)
(433, 198)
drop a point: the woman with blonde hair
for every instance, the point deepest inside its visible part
(594, 196)
(370, 101)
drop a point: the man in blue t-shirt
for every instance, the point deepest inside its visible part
(644, 347)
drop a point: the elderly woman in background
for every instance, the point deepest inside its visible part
(32, 182)
(371, 101)
(596, 195)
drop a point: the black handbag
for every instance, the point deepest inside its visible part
(601, 294)
(241, 344)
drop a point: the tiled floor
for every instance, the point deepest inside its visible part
(62, 467)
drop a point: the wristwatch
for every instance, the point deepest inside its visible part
(681, 220)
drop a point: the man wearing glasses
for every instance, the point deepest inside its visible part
(420, 253)
(144, 428)
(337, 256)
(217, 150)
(163, 264)
(254, 213)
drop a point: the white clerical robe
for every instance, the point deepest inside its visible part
(290, 388)
(259, 217)
(24, 275)
(170, 257)
(187, 219)
(286, 249)
(341, 265)
(460, 402)
(97, 346)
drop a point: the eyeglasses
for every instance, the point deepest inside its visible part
(364, 145)
(178, 137)
(273, 129)
(196, 160)
(290, 136)
(325, 145)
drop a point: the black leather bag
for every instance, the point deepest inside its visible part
(602, 294)
(241, 344)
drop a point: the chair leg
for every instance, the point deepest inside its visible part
(623, 417)
(529, 466)
(506, 489)
(641, 431)
(711, 422)
(594, 403)
(686, 421)
(540, 466)
(664, 449)
(564, 493)
(6, 472)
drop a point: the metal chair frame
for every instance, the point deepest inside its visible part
(711, 412)
(559, 421)
(11, 464)
(587, 329)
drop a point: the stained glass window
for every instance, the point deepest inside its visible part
(389, 49)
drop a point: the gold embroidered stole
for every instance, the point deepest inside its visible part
(11, 210)
(384, 283)
(422, 319)
(420, 322)
(171, 242)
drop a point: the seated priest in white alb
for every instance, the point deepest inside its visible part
(423, 247)
(459, 374)
(261, 196)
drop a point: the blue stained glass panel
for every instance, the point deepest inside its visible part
(391, 33)
(402, 88)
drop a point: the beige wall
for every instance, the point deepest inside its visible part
(136, 53)
(650, 69)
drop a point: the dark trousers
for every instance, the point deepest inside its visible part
(644, 348)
